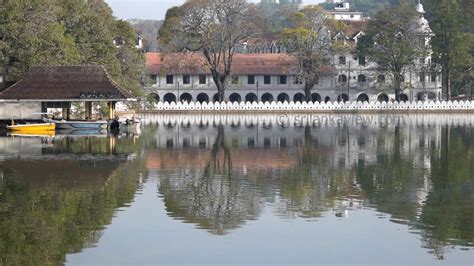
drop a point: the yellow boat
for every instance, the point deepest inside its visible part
(41, 127)
(39, 134)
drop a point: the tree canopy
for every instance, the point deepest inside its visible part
(393, 43)
(212, 27)
(309, 40)
(67, 32)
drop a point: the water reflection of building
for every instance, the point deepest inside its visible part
(355, 138)
(300, 165)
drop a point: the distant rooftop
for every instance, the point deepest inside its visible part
(243, 64)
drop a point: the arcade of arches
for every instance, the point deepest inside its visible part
(281, 97)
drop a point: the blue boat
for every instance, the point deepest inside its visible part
(79, 125)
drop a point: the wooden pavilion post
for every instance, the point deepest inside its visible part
(88, 110)
(111, 109)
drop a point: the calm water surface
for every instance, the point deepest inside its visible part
(243, 189)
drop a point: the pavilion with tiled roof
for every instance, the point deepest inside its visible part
(59, 86)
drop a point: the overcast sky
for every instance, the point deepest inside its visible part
(155, 9)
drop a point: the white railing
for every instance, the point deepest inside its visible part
(310, 106)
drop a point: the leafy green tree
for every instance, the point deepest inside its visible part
(453, 44)
(309, 41)
(169, 35)
(30, 34)
(67, 32)
(393, 43)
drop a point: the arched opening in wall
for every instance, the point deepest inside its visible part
(381, 78)
(363, 98)
(342, 79)
(215, 98)
(169, 98)
(421, 96)
(361, 78)
(327, 99)
(202, 97)
(431, 96)
(403, 97)
(267, 97)
(154, 97)
(186, 97)
(299, 97)
(315, 97)
(382, 97)
(251, 97)
(235, 97)
(283, 97)
(342, 97)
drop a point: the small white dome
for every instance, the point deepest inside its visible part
(419, 8)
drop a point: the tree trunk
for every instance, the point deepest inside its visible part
(447, 79)
(307, 93)
(397, 85)
(217, 77)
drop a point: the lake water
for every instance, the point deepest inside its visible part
(244, 189)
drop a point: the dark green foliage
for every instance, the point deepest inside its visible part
(453, 45)
(392, 43)
(67, 32)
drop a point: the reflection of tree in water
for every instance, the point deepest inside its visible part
(316, 185)
(401, 172)
(443, 211)
(215, 200)
(448, 214)
(44, 219)
(392, 184)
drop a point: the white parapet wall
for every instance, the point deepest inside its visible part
(310, 106)
(20, 110)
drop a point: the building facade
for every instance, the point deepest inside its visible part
(265, 72)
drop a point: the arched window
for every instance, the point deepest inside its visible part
(251, 97)
(363, 98)
(315, 97)
(361, 78)
(342, 78)
(186, 97)
(202, 97)
(382, 97)
(283, 97)
(235, 97)
(267, 97)
(403, 97)
(169, 97)
(381, 78)
(155, 97)
(342, 97)
(299, 97)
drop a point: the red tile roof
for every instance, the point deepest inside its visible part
(65, 83)
(243, 64)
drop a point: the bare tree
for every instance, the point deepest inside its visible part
(215, 28)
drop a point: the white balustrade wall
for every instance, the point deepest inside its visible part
(310, 106)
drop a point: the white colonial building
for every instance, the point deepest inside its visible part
(271, 75)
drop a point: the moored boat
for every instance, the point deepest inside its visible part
(39, 127)
(79, 125)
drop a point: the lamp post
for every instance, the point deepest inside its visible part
(348, 80)
(178, 98)
(258, 97)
